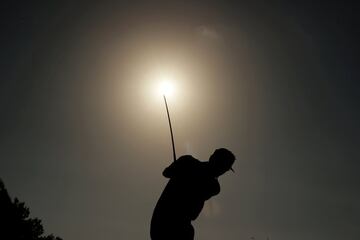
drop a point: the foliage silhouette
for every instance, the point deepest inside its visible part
(191, 183)
(15, 223)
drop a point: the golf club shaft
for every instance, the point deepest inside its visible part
(171, 131)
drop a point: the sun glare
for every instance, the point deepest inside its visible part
(166, 86)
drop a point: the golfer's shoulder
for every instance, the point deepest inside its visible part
(186, 162)
(181, 166)
(189, 162)
(187, 159)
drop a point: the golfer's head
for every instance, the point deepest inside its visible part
(221, 161)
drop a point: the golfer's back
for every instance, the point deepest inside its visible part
(183, 198)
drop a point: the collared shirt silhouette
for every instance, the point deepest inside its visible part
(191, 183)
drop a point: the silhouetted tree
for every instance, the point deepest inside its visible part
(15, 223)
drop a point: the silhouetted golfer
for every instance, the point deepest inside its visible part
(191, 183)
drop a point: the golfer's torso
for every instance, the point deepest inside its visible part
(183, 198)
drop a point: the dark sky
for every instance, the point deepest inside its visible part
(84, 144)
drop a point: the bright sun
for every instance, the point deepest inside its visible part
(166, 85)
(166, 88)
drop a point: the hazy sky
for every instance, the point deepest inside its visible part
(84, 138)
